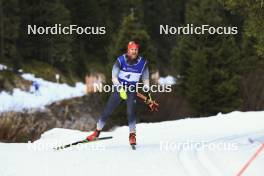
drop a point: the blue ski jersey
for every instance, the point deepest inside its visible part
(130, 74)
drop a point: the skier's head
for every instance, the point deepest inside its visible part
(132, 50)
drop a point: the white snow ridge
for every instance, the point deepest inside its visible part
(213, 146)
(48, 93)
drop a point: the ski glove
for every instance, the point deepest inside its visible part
(123, 93)
(152, 105)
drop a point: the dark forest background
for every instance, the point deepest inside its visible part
(215, 73)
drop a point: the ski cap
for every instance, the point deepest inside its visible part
(132, 44)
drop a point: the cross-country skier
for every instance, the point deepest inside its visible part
(127, 71)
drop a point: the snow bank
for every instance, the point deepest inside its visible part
(3, 67)
(168, 80)
(47, 93)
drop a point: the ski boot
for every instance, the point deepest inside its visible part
(94, 135)
(132, 138)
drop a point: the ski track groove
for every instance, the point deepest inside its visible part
(189, 160)
(200, 162)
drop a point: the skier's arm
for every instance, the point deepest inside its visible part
(115, 72)
(145, 80)
(145, 77)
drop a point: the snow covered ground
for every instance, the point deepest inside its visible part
(213, 146)
(3, 67)
(47, 93)
(168, 80)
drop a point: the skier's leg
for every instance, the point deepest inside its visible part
(113, 101)
(131, 114)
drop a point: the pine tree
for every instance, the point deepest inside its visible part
(156, 13)
(52, 49)
(208, 64)
(9, 25)
(88, 50)
(252, 12)
(132, 30)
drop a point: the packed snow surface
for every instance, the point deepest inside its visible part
(211, 146)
